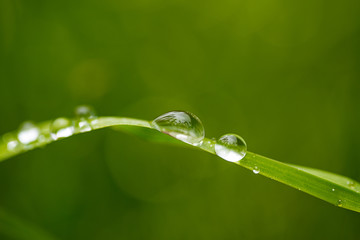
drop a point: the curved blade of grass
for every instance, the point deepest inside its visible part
(335, 189)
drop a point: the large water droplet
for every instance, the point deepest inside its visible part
(61, 128)
(28, 133)
(231, 147)
(184, 126)
(84, 117)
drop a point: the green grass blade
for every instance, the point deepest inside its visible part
(335, 189)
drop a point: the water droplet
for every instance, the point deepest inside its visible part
(43, 139)
(256, 170)
(333, 189)
(85, 112)
(208, 144)
(61, 128)
(184, 126)
(12, 143)
(28, 133)
(85, 116)
(351, 184)
(231, 147)
(83, 126)
(339, 203)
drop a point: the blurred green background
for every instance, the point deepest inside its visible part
(282, 74)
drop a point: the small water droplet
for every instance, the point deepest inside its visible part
(339, 203)
(84, 111)
(85, 116)
(333, 189)
(256, 170)
(207, 144)
(12, 143)
(351, 184)
(61, 128)
(43, 139)
(231, 147)
(83, 126)
(182, 125)
(28, 133)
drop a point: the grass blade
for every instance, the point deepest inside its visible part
(335, 189)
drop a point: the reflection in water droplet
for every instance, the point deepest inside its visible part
(28, 133)
(184, 126)
(231, 147)
(61, 128)
(85, 115)
(339, 203)
(256, 170)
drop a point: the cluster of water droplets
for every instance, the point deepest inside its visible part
(188, 128)
(350, 184)
(182, 125)
(30, 135)
(64, 127)
(27, 136)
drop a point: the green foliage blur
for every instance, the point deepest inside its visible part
(283, 74)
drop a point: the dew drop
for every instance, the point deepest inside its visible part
(83, 126)
(231, 147)
(351, 184)
(11, 142)
(43, 139)
(84, 111)
(182, 125)
(208, 144)
(256, 170)
(28, 133)
(333, 189)
(85, 115)
(339, 203)
(61, 128)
